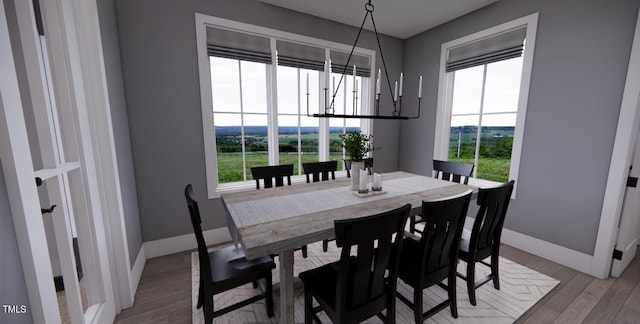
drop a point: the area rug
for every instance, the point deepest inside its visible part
(520, 288)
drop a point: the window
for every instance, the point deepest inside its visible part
(256, 87)
(483, 117)
(482, 99)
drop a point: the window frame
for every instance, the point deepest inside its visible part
(214, 189)
(445, 94)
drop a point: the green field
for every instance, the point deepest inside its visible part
(494, 169)
(230, 165)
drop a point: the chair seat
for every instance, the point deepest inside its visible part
(229, 264)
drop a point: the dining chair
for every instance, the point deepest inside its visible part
(225, 269)
(320, 170)
(453, 171)
(449, 171)
(368, 164)
(362, 283)
(432, 258)
(484, 239)
(268, 173)
(278, 172)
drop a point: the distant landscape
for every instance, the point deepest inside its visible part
(494, 161)
(229, 148)
(495, 150)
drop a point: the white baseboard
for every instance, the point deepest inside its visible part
(136, 271)
(556, 253)
(184, 242)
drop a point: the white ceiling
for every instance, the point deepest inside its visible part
(398, 18)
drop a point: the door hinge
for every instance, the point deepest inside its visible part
(617, 254)
(632, 182)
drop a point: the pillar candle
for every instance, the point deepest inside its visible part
(377, 179)
(362, 185)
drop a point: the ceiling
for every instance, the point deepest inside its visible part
(398, 18)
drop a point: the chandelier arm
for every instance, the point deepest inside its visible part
(344, 70)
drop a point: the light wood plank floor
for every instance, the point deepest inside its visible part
(164, 293)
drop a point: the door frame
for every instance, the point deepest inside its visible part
(19, 179)
(621, 158)
(77, 53)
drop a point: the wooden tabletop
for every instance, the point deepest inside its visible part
(284, 218)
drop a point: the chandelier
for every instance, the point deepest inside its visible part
(396, 95)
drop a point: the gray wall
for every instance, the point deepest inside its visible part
(120, 120)
(581, 57)
(13, 290)
(158, 51)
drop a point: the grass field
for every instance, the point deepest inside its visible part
(494, 169)
(230, 165)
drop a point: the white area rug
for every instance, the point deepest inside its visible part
(520, 288)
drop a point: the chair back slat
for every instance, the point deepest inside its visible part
(442, 231)
(363, 277)
(368, 164)
(269, 173)
(452, 171)
(487, 227)
(320, 170)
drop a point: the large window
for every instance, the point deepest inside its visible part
(483, 117)
(260, 85)
(483, 93)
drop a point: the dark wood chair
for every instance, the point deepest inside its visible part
(484, 239)
(320, 170)
(449, 171)
(359, 286)
(268, 173)
(432, 258)
(453, 171)
(278, 172)
(225, 269)
(368, 164)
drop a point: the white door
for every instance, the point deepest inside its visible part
(59, 161)
(627, 241)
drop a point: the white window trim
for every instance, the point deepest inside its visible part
(445, 89)
(202, 22)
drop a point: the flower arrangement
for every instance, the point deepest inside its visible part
(356, 144)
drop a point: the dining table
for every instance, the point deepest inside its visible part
(277, 221)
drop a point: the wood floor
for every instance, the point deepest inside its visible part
(164, 293)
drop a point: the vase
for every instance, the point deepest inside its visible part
(356, 166)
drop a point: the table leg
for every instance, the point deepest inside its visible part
(286, 287)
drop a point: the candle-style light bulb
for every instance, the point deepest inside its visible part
(401, 78)
(420, 88)
(395, 92)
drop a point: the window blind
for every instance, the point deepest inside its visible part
(339, 61)
(235, 45)
(496, 48)
(300, 55)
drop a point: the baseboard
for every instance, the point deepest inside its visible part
(136, 271)
(556, 253)
(184, 242)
